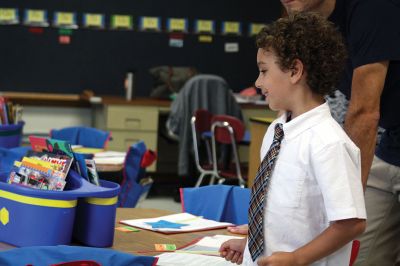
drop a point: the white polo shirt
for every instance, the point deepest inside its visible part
(316, 180)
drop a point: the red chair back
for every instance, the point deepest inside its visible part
(222, 133)
(203, 120)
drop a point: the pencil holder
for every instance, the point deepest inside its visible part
(11, 135)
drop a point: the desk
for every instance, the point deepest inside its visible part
(258, 127)
(144, 240)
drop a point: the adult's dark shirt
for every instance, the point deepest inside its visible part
(371, 29)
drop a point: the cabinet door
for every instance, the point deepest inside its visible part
(134, 118)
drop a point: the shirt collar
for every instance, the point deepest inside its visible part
(304, 121)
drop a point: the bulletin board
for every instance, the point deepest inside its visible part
(43, 59)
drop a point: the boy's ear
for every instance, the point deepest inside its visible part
(296, 71)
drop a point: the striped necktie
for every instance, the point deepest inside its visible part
(259, 194)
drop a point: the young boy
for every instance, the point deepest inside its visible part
(307, 201)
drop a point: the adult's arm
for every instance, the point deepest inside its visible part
(361, 122)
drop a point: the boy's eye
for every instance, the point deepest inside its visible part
(263, 71)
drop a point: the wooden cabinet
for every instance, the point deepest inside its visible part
(130, 122)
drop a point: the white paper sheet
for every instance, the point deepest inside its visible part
(182, 259)
(193, 223)
(209, 244)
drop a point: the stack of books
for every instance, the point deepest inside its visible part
(46, 166)
(41, 170)
(9, 113)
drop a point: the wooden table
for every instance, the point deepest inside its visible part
(134, 242)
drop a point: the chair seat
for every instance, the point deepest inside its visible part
(230, 174)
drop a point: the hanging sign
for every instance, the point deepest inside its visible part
(91, 20)
(150, 23)
(121, 22)
(177, 25)
(36, 17)
(255, 28)
(9, 16)
(231, 27)
(65, 20)
(205, 26)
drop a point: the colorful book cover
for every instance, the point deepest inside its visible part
(58, 162)
(92, 172)
(31, 173)
(56, 146)
(59, 147)
(38, 143)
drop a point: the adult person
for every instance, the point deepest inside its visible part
(371, 81)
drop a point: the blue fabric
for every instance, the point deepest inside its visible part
(47, 255)
(85, 136)
(8, 156)
(131, 190)
(218, 202)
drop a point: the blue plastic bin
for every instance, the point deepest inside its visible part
(11, 135)
(32, 217)
(95, 214)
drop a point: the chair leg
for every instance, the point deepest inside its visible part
(198, 183)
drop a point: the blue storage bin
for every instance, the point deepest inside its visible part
(11, 135)
(31, 217)
(95, 214)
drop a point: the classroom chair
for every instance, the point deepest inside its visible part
(227, 130)
(354, 251)
(8, 156)
(135, 185)
(71, 255)
(200, 92)
(221, 203)
(201, 122)
(81, 135)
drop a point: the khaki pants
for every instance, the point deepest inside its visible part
(380, 243)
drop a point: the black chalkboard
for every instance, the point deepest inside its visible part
(98, 60)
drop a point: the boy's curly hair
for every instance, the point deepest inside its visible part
(311, 39)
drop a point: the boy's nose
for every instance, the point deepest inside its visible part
(257, 84)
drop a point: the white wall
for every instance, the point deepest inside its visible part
(43, 119)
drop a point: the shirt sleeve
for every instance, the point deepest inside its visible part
(374, 32)
(337, 169)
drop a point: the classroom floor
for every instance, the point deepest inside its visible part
(160, 202)
(161, 196)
